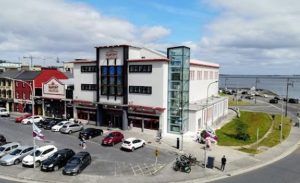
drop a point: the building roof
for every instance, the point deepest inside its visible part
(149, 60)
(10, 74)
(46, 74)
(201, 63)
(28, 75)
(82, 61)
(113, 46)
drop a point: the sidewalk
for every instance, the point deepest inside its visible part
(237, 161)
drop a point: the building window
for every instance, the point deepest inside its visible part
(205, 75)
(200, 75)
(88, 68)
(211, 75)
(112, 80)
(140, 68)
(216, 75)
(89, 87)
(192, 75)
(140, 89)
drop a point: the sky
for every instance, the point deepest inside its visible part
(244, 37)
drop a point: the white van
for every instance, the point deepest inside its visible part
(4, 112)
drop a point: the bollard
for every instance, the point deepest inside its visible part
(177, 144)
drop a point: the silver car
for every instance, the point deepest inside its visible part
(71, 127)
(8, 148)
(16, 156)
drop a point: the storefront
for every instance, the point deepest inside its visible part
(85, 112)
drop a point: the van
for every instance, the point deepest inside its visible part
(4, 112)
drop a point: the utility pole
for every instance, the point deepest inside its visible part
(31, 59)
(288, 83)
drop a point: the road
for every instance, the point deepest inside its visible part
(283, 171)
(7, 181)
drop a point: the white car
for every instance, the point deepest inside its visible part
(4, 112)
(32, 119)
(58, 126)
(8, 148)
(41, 154)
(133, 143)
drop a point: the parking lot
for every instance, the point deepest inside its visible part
(106, 160)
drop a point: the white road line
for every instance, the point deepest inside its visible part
(115, 168)
(132, 169)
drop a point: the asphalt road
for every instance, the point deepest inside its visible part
(106, 160)
(283, 171)
(7, 181)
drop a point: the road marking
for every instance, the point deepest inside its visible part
(132, 169)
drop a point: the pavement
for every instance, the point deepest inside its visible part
(237, 162)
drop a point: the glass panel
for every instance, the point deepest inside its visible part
(119, 80)
(112, 90)
(104, 80)
(111, 80)
(103, 70)
(104, 90)
(111, 70)
(119, 70)
(119, 90)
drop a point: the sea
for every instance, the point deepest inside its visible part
(275, 83)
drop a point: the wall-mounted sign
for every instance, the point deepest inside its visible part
(53, 89)
(111, 54)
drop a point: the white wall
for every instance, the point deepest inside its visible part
(198, 87)
(84, 78)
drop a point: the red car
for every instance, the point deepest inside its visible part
(20, 118)
(113, 138)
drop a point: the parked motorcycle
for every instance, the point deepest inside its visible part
(189, 159)
(183, 166)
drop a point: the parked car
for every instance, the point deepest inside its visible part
(4, 112)
(249, 97)
(20, 118)
(57, 160)
(32, 119)
(58, 126)
(2, 140)
(133, 143)
(77, 163)
(277, 98)
(294, 101)
(89, 133)
(113, 138)
(43, 122)
(16, 156)
(8, 148)
(70, 128)
(273, 101)
(51, 124)
(41, 154)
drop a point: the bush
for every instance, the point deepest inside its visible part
(242, 131)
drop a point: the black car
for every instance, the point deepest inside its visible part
(57, 160)
(51, 123)
(2, 140)
(294, 101)
(77, 163)
(89, 133)
(277, 98)
(44, 122)
(273, 101)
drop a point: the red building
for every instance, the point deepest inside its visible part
(34, 79)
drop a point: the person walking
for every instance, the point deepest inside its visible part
(83, 142)
(223, 160)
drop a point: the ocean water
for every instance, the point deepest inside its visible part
(275, 83)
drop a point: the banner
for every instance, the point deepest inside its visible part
(36, 133)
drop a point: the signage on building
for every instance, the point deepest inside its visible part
(53, 89)
(111, 54)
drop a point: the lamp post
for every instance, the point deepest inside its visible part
(32, 110)
(287, 94)
(206, 119)
(256, 81)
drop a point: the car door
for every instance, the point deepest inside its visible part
(137, 143)
(26, 152)
(46, 153)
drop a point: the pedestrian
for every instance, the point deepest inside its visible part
(83, 142)
(223, 160)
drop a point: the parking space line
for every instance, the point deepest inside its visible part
(132, 169)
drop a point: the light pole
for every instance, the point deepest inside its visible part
(256, 81)
(226, 83)
(287, 94)
(206, 119)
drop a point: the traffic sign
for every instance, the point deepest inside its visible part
(156, 152)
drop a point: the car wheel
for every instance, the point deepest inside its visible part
(70, 132)
(143, 145)
(37, 164)
(16, 162)
(55, 168)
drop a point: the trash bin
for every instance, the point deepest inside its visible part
(177, 144)
(210, 162)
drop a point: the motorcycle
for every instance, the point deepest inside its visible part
(189, 159)
(183, 166)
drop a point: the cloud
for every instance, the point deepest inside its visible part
(154, 33)
(253, 33)
(61, 28)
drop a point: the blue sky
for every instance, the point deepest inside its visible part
(244, 37)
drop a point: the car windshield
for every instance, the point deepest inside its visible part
(37, 153)
(16, 152)
(55, 156)
(110, 135)
(74, 160)
(2, 149)
(60, 124)
(126, 142)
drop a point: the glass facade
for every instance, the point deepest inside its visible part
(178, 89)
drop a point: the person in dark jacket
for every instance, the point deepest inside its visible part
(223, 161)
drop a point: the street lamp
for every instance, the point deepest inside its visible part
(256, 81)
(287, 94)
(206, 119)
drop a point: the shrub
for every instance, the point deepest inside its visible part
(242, 131)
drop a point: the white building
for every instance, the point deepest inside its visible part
(148, 89)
